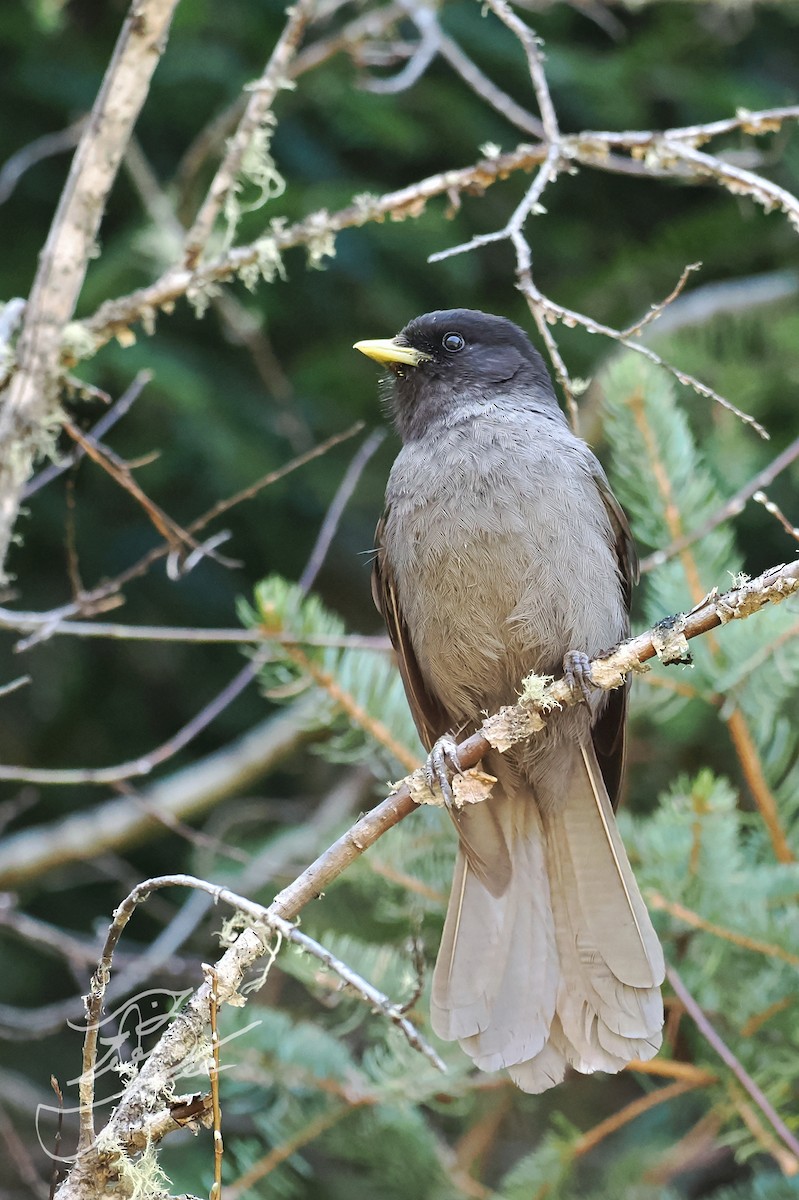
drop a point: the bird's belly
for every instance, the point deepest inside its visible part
(484, 610)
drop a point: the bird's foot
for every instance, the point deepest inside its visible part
(577, 673)
(442, 761)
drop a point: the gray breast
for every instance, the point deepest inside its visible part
(503, 557)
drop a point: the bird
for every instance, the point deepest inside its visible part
(502, 551)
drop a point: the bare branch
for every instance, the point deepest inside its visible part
(535, 62)
(666, 641)
(98, 430)
(775, 511)
(145, 763)
(29, 406)
(731, 508)
(120, 822)
(259, 105)
(333, 515)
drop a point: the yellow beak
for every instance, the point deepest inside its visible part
(389, 350)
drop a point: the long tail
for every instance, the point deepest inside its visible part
(548, 956)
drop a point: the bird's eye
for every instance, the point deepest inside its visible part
(452, 342)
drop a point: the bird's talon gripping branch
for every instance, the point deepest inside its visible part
(577, 673)
(443, 759)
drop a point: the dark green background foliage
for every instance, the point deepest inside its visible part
(608, 245)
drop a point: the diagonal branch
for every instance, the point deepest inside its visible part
(667, 640)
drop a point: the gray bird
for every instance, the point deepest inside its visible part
(503, 551)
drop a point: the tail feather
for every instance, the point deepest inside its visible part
(496, 950)
(562, 967)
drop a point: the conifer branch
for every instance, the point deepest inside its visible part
(736, 722)
(688, 917)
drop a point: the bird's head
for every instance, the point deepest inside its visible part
(452, 365)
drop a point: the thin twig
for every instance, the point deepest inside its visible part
(145, 763)
(658, 309)
(571, 318)
(106, 595)
(98, 430)
(487, 90)
(774, 510)
(731, 508)
(334, 513)
(535, 62)
(728, 1058)
(213, 1072)
(32, 622)
(422, 56)
(40, 148)
(520, 721)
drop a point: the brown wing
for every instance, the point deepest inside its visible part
(609, 732)
(428, 713)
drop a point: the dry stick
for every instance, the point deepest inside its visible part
(259, 105)
(657, 310)
(264, 922)
(216, 1189)
(145, 763)
(176, 538)
(29, 404)
(487, 90)
(775, 511)
(25, 622)
(106, 594)
(735, 179)
(535, 63)
(518, 722)
(101, 427)
(726, 1055)
(333, 515)
(421, 56)
(731, 508)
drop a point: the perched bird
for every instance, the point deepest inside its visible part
(502, 551)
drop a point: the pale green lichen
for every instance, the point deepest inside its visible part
(534, 691)
(142, 1178)
(77, 343)
(266, 263)
(258, 170)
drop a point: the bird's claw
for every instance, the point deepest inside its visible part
(441, 762)
(577, 673)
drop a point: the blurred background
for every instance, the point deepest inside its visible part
(266, 375)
